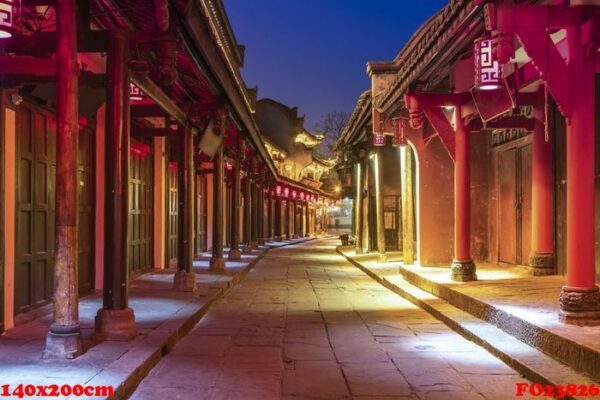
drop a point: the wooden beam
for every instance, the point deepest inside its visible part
(151, 132)
(27, 65)
(42, 43)
(163, 100)
(442, 126)
(147, 110)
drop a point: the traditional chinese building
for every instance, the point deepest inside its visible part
(487, 121)
(129, 144)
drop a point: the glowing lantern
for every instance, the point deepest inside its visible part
(135, 93)
(278, 190)
(488, 72)
(378, 139)
(293, 194)
(7, 17)
(399, 139)
(286, 191)
(301, 195)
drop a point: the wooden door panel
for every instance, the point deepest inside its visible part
(525, 207)
(507, 198)
(140, 209)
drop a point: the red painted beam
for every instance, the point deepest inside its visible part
(442, 126)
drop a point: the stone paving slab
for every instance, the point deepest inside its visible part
(526, 359)
(163, 317)
(333, 333)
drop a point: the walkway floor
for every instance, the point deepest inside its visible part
(306, 324)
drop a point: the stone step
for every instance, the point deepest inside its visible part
(529, 361)
(576, 355)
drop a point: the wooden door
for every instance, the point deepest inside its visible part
(514, 220)
(391, 217)
(172, 206)
(507, 193)
(85, 204)
(36, 170)
(524, 218)
(140, 208)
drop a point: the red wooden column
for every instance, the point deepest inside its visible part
(247, 215)
(306, 219)
(269, 215)
(234, 252)
(379, 213)
(580, 299)
(358, 207)
(289, 218)
(116, 321)
(185, 278)
(217, 262)
(253, 216)
(64, 339)
(261, 214)
(541, 258)
(463, 267)
(278, 220)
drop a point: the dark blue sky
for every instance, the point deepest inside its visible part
(313, 53)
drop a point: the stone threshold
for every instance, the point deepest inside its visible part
(526, 359)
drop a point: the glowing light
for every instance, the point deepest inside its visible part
(488, 72)
(338, 189)
(7, 16)
(135, 93)
(378, 139)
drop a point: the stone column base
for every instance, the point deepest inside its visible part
(278, 239)
(185, 281)
(63, 342)
(463, 271)
(115, 325)
(254, 245)
(247, 249)
(261, 242)
(294, 236)
(381, 257)
(234, 255)
(359, 251)
(579, 306)
(216, 264)
(542, 263)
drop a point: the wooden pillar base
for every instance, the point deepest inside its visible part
(247, 249)
(254, 245)
(234, 255)
(278, 239)
(580, 306)
(63, 343)
(358, 251)
(184, 281)
(216, 264)
(295, 236)
(381, 257)
(542, 264)
(118, 325)
(261, 242)
(463, 271)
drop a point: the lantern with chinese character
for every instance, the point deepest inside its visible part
(278, 190)
(293, 194)
(399, 139)
(488, 71)
(7, 18)
(135, 93)
(378, 139)
(302, 196)
(286, 191)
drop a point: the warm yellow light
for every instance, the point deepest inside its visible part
(338, 189)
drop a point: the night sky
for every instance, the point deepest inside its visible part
(313, 53)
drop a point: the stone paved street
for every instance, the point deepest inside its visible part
(305, 323)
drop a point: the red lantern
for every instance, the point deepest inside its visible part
(399, 139)
(378, 139)
(278, 190)
(488, 71)
(135, 93)
(7, 18)
(286, 191)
